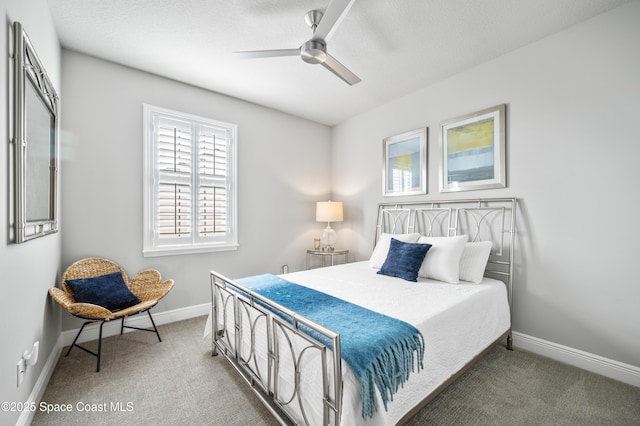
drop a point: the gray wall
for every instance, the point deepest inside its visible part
(29, 269)
(573, 101)
(284, 168)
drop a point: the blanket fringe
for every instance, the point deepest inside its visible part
(390, 371)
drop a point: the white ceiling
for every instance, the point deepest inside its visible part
(395, 46)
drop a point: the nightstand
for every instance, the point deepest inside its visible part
(327, 258)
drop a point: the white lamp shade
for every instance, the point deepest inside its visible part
(329, 211)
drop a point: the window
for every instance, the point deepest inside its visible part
(189, 183)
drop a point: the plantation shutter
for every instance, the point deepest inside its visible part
(212, 190)
(175, 204)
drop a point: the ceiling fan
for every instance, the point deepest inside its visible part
(314, 51)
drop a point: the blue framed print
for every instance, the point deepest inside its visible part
(404, 170)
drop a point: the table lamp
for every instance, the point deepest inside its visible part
(328, 211)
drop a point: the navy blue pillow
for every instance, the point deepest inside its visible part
(109, 291)
(404, 260)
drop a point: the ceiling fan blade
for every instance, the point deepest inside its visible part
(340, 70)
(331, 18)
(251, 54)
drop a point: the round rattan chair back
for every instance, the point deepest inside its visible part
(90, 267)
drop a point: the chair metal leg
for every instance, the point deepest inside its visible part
(122, 327)
(153, 330)
(99, 353)
(76, 339)
(154, 326)
(99, 347)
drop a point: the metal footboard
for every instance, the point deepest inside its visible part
(297, 376)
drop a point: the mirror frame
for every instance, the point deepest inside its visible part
(29, 221)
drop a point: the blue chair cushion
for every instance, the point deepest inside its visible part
(109, 291)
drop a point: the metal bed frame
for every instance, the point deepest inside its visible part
(256, 335)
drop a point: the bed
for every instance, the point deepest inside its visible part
(460, 304)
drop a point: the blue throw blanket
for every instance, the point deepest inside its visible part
(379, 349)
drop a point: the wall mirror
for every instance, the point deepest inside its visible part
(35, 134)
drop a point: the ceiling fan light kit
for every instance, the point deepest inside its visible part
(314, 50)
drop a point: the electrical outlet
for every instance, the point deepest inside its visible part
(21, 369)
(285, 269)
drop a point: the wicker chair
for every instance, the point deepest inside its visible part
(146, 285)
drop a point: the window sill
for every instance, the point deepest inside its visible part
(176, 251)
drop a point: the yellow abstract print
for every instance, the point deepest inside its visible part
(470, 151)
(471, 136)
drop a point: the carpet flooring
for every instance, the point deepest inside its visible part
(178, 382)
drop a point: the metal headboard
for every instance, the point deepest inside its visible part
(486, 219)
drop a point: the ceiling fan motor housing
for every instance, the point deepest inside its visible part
(313, 52)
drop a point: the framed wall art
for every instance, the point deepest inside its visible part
(473, 151)
(404, 170)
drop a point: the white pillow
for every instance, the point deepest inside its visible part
(379, 254)
(474, 261)
(443, 258)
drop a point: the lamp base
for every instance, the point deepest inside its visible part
(328, 238)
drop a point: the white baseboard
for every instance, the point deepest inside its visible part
(41, 384)
(112, 328)
(596, 364)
